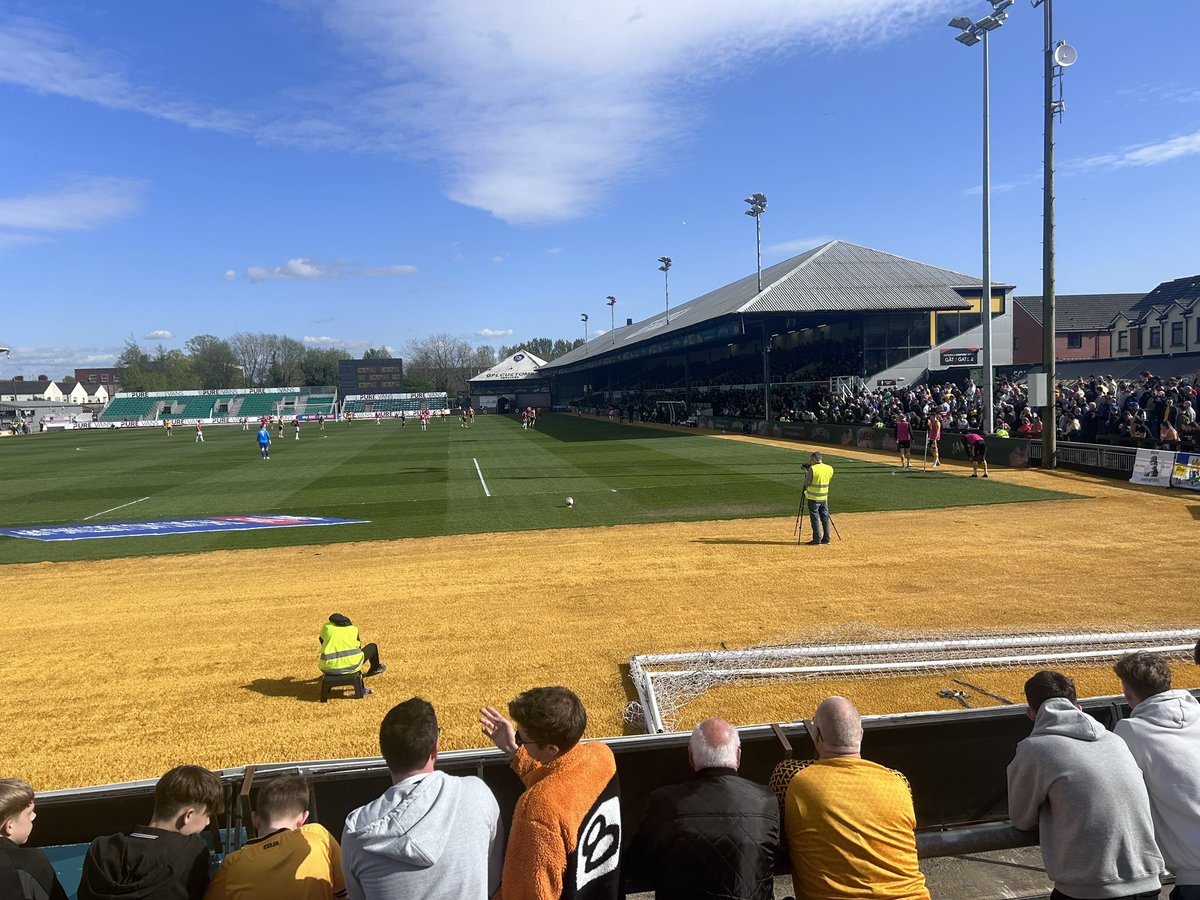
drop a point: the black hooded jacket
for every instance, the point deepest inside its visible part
(146, 864)
(26, 874)
(715, 836)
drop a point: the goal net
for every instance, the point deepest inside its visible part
(668, 682)
(673, 411)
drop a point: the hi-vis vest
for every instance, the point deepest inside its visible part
(340, 653)
(818, 489)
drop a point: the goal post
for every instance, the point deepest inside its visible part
(668, 682)
(675, 411)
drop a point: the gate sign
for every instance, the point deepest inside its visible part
(967, 356)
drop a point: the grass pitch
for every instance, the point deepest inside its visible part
(493, 477)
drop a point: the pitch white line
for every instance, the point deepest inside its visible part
(115, 508)
(486, 492)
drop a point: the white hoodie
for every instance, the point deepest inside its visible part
(1163, 734)
(429, 837)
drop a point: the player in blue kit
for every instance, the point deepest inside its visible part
(264, 442)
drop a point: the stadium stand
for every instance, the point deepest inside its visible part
(412, 403)
(122, 408)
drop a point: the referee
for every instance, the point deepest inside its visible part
(817, 476)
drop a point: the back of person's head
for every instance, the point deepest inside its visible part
(283, 798)
(15, 797)
(1047, 685)
(1144, 674)
(840, 725)
(550, 715)
(187, 786)
(715, 744)
(339, 620)
(408, 735)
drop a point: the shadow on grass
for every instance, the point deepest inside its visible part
(308, 691)
(570, 429)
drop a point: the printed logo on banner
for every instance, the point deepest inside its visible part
(208, 524)
(1153, 467)
(1186, 473)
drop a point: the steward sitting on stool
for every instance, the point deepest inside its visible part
(342, 652)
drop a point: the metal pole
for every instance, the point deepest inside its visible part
(667, 291)
(758, 245)
(766, 355)
(985, 299)
(1049, 420)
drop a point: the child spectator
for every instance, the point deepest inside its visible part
(166, 860)
(25, 872)
(288, 858)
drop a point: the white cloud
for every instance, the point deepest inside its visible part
(325, 342)
(555, 250)
(534, 123)
(796, 246)
(498, 258)
(1146, 154)
(43, 59)
(302, 269)
(493, 332)
(83, 203)
(230, 275)
(160, 335)
(55, 362)
(12, 239)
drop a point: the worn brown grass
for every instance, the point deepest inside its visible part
(118, 670)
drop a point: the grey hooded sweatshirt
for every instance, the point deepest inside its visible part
(1164, 736)
(429, 837)
(1079, 784)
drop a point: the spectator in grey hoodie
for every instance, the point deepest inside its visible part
(430, 836)
(1079, 785)
(1163, 733)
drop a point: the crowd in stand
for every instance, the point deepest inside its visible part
(1114, 811)
(1146, 411)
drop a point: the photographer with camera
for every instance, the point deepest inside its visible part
(817, 476)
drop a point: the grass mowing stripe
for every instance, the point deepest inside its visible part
(410, 483)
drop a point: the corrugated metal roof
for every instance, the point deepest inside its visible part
(835, 277)
(1080, 312)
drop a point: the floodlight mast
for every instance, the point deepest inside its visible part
(665, 268)
(584, 318)
(971, 34)
(612, 316)
(758, 203)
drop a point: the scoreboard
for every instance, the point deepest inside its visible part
(370, 376)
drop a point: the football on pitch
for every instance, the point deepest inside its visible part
(570, 502)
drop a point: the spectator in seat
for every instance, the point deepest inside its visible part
(1078, 784)
(430, 836)
(714, 837)
(166, 860)
(566, 830)
(1163, 733)
(289, 858)
(849, 822)
(25, 872)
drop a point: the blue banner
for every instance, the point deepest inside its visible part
(169, 526)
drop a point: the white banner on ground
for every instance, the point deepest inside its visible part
(1186, 473)
(1153, 467)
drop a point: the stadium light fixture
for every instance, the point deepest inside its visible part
(584, 317)
(665, 268)
(612, 316)
(758, 204)
(972, 33)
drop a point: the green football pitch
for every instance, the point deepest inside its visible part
(492, 477)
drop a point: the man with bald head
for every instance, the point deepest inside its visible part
(714, 836)
(849, 822)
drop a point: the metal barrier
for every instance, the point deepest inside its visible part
(1089, 456)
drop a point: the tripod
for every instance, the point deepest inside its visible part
(800, 520)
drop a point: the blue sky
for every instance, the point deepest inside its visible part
(366, 172)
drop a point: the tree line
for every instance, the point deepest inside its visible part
(440, 362)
